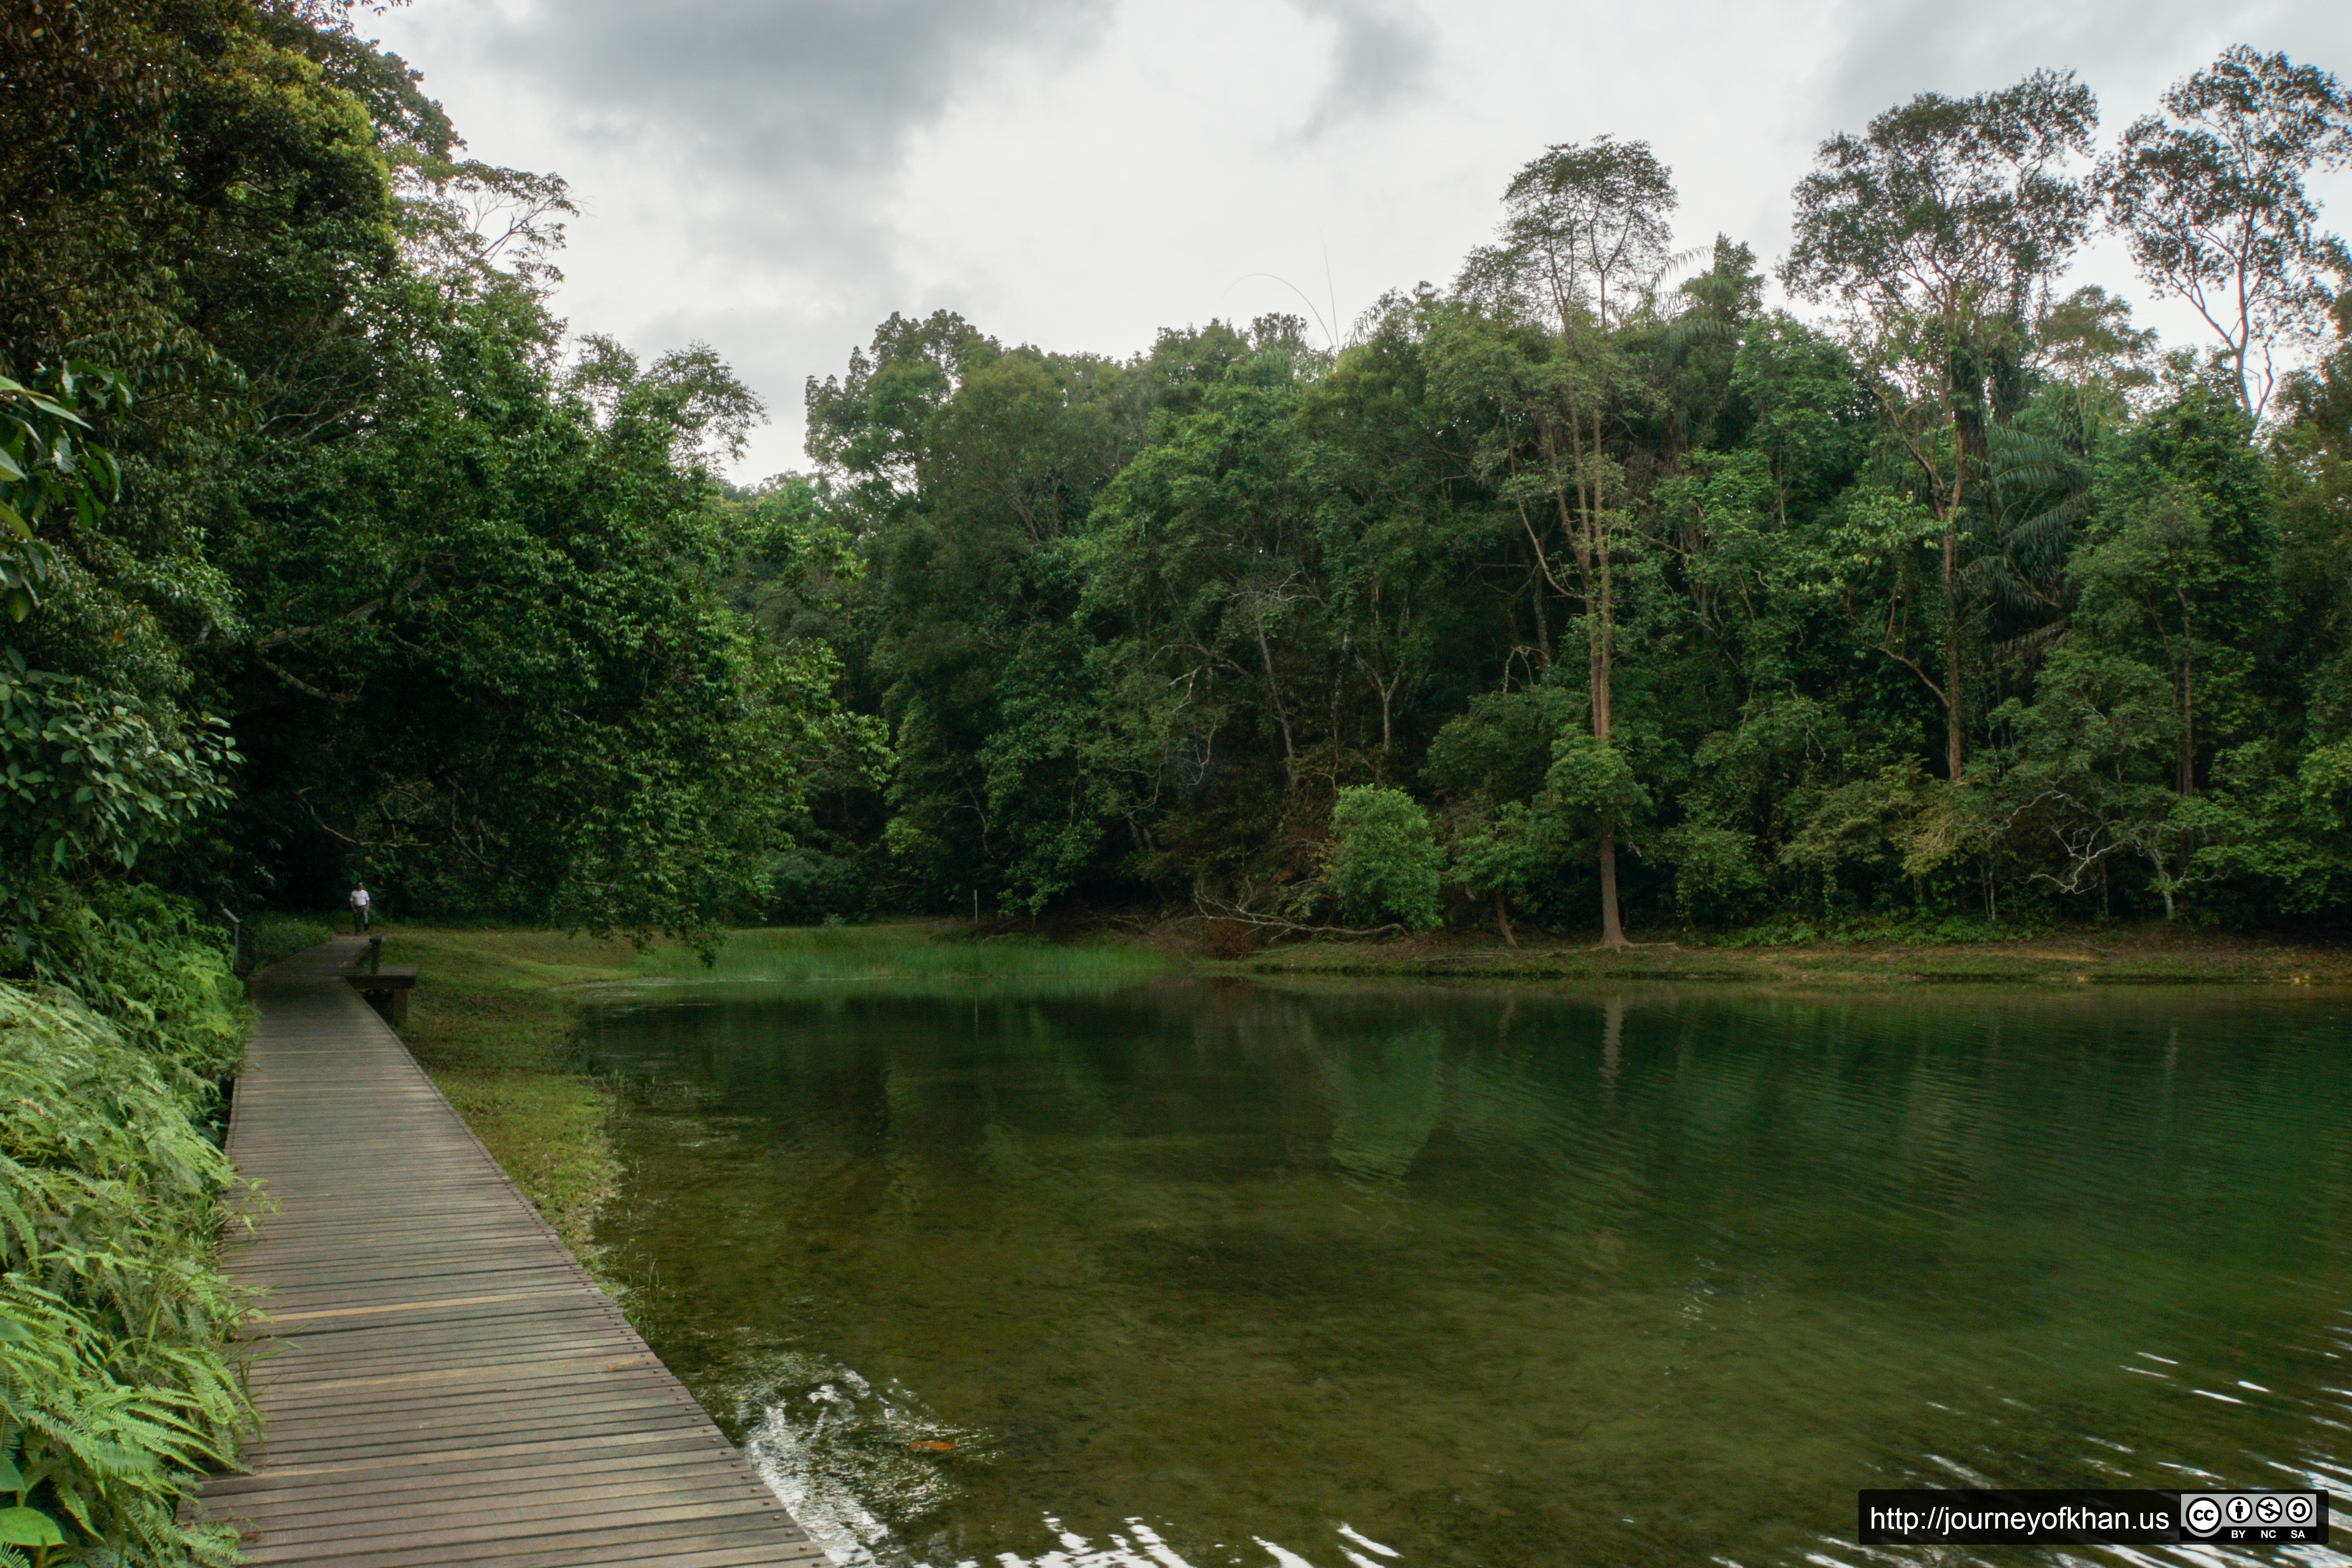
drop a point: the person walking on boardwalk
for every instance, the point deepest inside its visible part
(359, 902)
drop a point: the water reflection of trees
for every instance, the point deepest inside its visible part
(1386, 1097)
(1930, 1118)
(1680, 1230)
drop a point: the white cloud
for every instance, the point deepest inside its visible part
(777, 176)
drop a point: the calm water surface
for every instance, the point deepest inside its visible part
(1204, 1273)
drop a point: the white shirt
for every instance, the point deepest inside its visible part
(359, 898)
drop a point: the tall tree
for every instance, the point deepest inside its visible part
(1585, 237)
(1941, 229)
(2210, 197)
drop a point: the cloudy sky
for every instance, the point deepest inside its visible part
(775, 176)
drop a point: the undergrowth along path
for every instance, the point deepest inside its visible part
(438, 1380)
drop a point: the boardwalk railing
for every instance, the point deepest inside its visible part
(439, 1382)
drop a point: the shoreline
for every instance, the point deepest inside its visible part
(2117, 957)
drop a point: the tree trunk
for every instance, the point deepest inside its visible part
(1281, 713)
(1613, 934)
(2188, 702)
(1952, 749)
(1598, 597)
(2188, 737)
(2163, 878)
(1952, 757)
(1543, 622)
(1503, 919)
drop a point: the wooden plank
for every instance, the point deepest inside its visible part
(438, 1380)
(483, 1458)
(670, 1528)
(290, 1501)
(706, 1496)
(587, 1549)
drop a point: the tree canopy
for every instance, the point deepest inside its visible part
(1964, 601)
(294, 453)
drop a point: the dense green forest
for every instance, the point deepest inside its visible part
(373, 575)
(1582, 590)
(1600, 598)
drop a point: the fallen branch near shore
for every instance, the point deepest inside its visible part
(1212, 910)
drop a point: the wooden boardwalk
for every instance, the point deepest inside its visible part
(442, 1383)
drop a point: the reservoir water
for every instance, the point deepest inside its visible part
(1193, 1272)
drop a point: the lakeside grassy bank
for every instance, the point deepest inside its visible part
(2138, 955)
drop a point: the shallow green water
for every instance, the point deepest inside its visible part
(1198, 1272)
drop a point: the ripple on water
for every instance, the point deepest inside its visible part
(1189, 1275)
(834, 1444)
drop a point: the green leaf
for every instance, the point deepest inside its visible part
(29, 1527)
(11, 1479)
(55, 410)
(14, 521)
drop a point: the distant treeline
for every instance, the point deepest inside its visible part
(323, 558)
(1963, 599)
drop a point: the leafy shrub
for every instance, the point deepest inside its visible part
(1925, 928)
(146, 963)
(1716, 872)
(1513, 853)
(91, 777)
(805, 886)
(269, 938)
(1384, 860)
(115, 1390)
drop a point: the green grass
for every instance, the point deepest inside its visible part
(906, 953)
(2143, 954)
